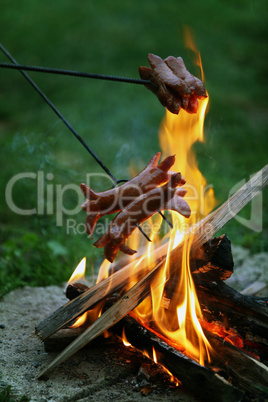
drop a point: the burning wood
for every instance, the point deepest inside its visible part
(204, 260)
(242, 369)
(137, 293)
(203, 231)
(227, 360)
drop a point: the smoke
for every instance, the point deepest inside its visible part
(32, 152)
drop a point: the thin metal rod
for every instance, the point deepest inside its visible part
(53, 107)
(58, 71)
(142, 231)
(80, 139)
(166, 219)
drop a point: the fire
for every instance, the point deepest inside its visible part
(176, 320)
(79, 273)
(91, 315)
(124, 339)
(180, 325)
(154, 355)
(80, 321)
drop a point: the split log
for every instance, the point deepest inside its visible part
(212, 261)
(129, 301)
(241, 320)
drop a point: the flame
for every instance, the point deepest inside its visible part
(154, 355)
(80, 321)
(146, 353)
(180, 325)
(79, 276)
(124, 338)
(178, 321)
(79, 272)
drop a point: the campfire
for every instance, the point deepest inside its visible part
(167, 297)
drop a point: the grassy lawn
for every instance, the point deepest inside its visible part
(119, 121)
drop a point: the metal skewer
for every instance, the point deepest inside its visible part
(16, 66)
(73, 73)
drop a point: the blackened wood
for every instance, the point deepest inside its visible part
(74, 290)
(200, 380)
(223, 295)
(244, 372)
(213, 261)
(223, 305)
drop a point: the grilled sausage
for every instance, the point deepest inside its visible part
(134, 214)
(114, 200)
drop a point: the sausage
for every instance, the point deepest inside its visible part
(114, 200)
(134, 214)
(178, 204)
(173, 84)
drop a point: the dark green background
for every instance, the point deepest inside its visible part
(120, 121)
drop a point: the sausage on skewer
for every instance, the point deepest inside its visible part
(134, 214)
(114, 200)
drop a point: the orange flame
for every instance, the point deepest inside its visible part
(124, 338)
(154, 355)
(180, 325)
(79, 272)
(80, 321)
(77, 276)
(91, 315)
(177, 320)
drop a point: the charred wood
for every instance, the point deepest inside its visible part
(242, 371)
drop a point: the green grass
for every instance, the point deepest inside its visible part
(5, 396)
(119, 121)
